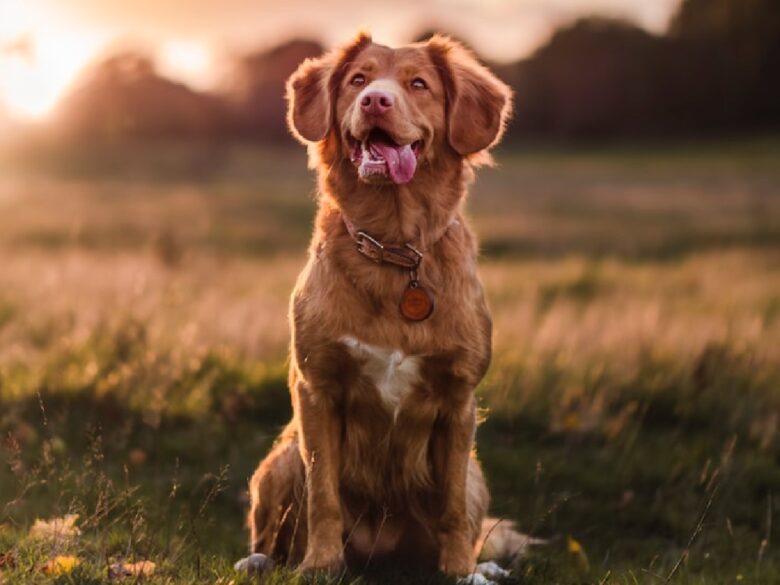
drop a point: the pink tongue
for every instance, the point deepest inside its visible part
(401, 162)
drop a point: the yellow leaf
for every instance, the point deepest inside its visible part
(56, 529)
(60, 565)
(578, 555)
(139, 569)
(575, 547)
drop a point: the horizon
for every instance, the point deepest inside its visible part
(44, 48)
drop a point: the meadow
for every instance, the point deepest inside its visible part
(631, 413)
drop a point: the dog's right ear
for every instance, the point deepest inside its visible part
(308, 100)
(312, 91)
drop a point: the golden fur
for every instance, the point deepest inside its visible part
(348, 480)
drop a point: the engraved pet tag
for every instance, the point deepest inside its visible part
(416, 302)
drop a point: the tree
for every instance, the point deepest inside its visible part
(597, 77)
(124, 97)
(743, 38)
(257, 88)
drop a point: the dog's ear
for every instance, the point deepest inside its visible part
(312, 90)
(309, 107)
(479, 104)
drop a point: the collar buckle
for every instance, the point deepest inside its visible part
(407, 257)
(417, 258)
(369, 247)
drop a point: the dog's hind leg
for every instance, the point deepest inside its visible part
(277, 517)
(477, 501)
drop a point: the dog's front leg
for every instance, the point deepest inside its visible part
(319, 425)
(456, 539)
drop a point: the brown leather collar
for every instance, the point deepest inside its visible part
(404, 255)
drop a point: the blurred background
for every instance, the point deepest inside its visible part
(154, 214)
(582, 69)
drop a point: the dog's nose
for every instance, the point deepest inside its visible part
(376, 102)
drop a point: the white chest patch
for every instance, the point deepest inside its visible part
(392, 372)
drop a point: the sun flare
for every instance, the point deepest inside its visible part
(44, 44)
(42, 53)
(188, 61)
(38, 67)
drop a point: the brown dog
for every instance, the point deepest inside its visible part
(390, 330)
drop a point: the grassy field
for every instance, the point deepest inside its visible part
(632, 408)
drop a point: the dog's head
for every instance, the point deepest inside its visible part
(389, 111)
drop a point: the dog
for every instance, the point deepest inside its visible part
(390, 329)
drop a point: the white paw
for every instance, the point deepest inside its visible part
(484, 574)
(253, 564)
(491, 570)
(475, 579)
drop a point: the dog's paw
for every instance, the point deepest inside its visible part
(325, 561)
(492, 570)
(484, 574)
(254, 564)
(455, 556)
(475, 579)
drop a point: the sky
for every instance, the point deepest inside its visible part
(45, 44)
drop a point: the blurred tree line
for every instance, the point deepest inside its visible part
(716, 70)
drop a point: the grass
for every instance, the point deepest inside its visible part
(632, 408)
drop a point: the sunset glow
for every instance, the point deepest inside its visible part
(44, 44)
(189, 61)
(40, 55)
(32, 81)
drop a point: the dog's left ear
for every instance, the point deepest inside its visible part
(312, 89)
(479, 104)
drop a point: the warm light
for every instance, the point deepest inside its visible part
(64, 36)
(40, 55)
(33, 81)
(188, 61)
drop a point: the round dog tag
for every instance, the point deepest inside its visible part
(416, 302)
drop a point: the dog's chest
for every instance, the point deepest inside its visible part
(393, 373)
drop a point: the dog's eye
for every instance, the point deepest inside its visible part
(419, 83)
(358, 79)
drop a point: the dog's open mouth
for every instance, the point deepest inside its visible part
(379, 156)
